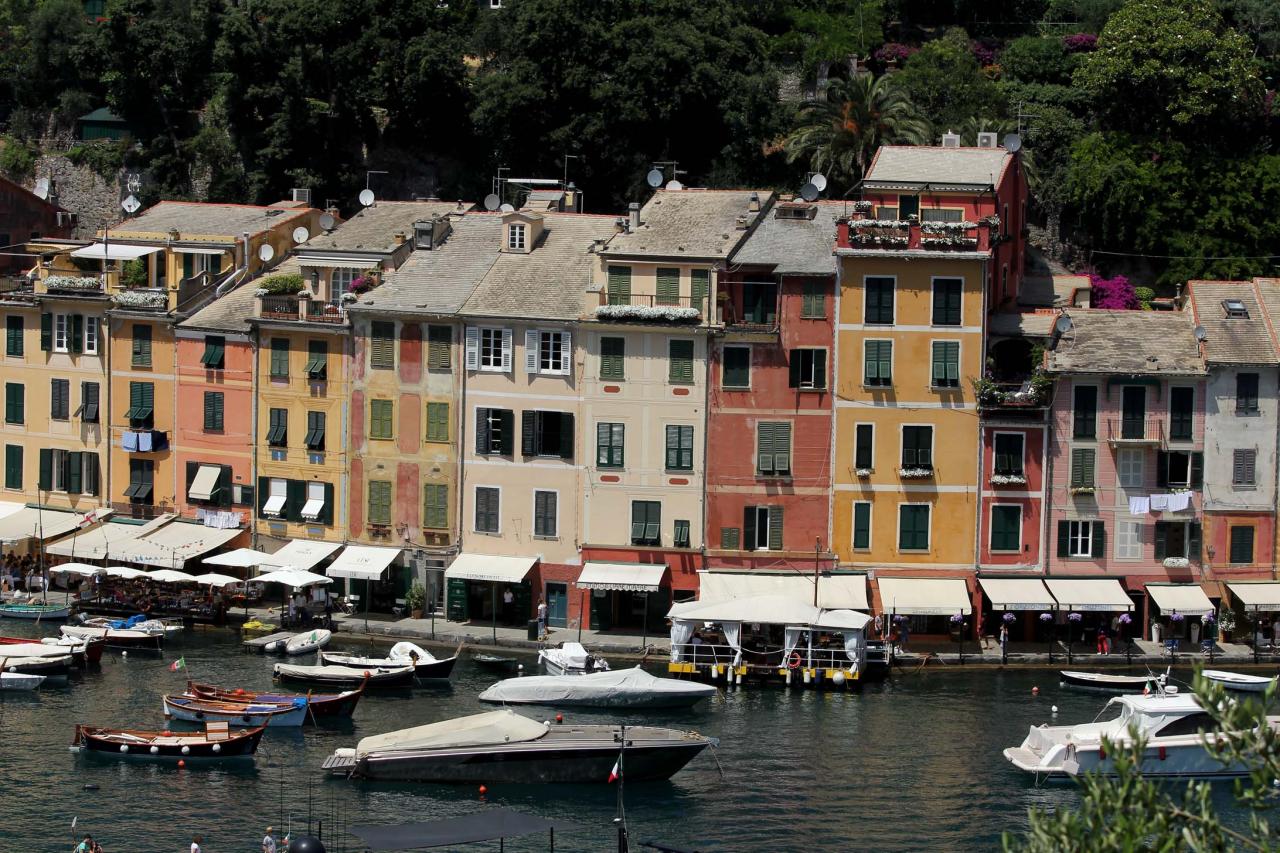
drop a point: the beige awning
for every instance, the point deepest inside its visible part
(205, 483)
(114, 251)
(486, 567)
(41, 524)
(103, 542)
(1090, 594)
(173, 544)
(835, 591)
(925, 596)
(362, 562)
(1257, 595)
(1180, 597)
(303, 554)
(1017, 594)
(193, 250)
(622, 577)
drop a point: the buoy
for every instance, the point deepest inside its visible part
(154, 750)
(124, 654)
(559, 718)
(181, 763)
(186, 750)
(217, 747)
(838, 678)
(483, 790)
(807, 675)
(167, 733)
(1035, 691)
(124, 747)
(1054, 709)
(519, 667)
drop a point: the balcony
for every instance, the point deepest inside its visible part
(647, 308)
(142, 299)
(278, 307)
(325, 312)
(75, 285)
(864, 233)
(1025, 395)
(1135, 431)
(300, 309)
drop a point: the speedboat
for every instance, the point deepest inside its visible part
(136, 632)
(570, 659)
(319, 705)
(346, 676)
(426, 666)
(1232, 680)
(1178, 731)
(194, 709)
(503, 746)
(626, 688)
(1115, 683)
(216, 742)
(19, 681)
(13, 610)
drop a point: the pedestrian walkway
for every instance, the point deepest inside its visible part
(1144, 652)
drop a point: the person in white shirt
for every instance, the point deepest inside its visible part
(195, 844)
(542, 617)
(269, 842)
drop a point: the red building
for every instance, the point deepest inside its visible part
(25, 216)
(770, 411)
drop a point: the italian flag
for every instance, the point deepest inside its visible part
(180, 663)
(616, 773)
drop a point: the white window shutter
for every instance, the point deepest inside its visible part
(566, 353)
(473, 348)
(506, 350)
(531, 351)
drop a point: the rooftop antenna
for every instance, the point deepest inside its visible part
(1012, 143)
(491, 201)
(809, 192)
(654, 178)
(131, 205)
(301, 234)
(327, 221)
(499, 179)
(674, 185)
(567, 158)
(507, 208)
(1201, 334)
(818, 179)
(368, 176)
(366, 197)
(134, 182)
(266, 252)
(660, 166)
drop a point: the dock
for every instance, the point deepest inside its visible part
(259, 644)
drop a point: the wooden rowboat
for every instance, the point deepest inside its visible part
(346, 676)
(1109, 681)
(1239, 681)
(217, 742)
(35, 611)
(193, 709)
(322, 705)
(426, 666)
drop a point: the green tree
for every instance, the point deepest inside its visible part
(815, 33)
(945, 83)
(840, 131)
(1038, 59)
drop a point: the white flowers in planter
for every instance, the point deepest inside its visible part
(863, 206)
(1008, 480)
(880, 223)
(139, 298)
(949, 242)
(1177, 563)
(73, 282)
(1082, 490)
(261, 292)
(946, 227)
(915, 473)
(653, 313)
(877, 240)
(348, 298)
(862, 473)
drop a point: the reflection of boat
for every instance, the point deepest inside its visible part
(1109, 681)
(327, 705)
(346, 676)
(495, 663)
(570, 659)
(626, 688)
(193, 709)
(1173, 725)
(1232, 680)
(502, 746)
(216, 742)
(10, 610)
(307, 642)
(426, 666)
(19, 681)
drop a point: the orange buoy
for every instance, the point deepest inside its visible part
(559, 718)
(1035, 691)
(181, 763)
(483, 790)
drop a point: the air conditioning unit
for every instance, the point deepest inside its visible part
(66, 218)
(986, 140)
(300, 194)
(950, 140)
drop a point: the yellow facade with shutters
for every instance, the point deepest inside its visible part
(909, 497)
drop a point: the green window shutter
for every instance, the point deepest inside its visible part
(317, 359)
(141, 345)
(782, 448)
(730, 538)
(946, 364)
(750, 536)
(864, 448)
(439, 347)
(680, 534)
(14, 403)
(947, 294)
(46, 332)
(668, 286)
(214, 352)
(681, 360)
(699, 288)
(1085, 411)
(188, 265)
(13, 466)
(1241, 544)
(379, 502)
(862, 526)
(212, 410)
(913, 528)
(1197, 470)
(673, 447)
(736, 367)
(92, 476)
(75, 473)
(609, 445)
(435, 506)
(619, 289)
(438, 422)
(775, 528)
(77, 333)
(279, 358)
(878, 362)
(13, 335)
(46, 469)
(380, 415)
(879, 301)
(764, 447)
(613, 358)
(814, 304)
(382, 345)
(1005, 524)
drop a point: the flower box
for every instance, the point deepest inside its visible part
(915, 473)
(650, 313)
(139, 299)
(1008, 480)
(1177, 563)
(1082, 490)
(862, 473)
(73, 282)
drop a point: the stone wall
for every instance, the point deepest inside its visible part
(79, 189)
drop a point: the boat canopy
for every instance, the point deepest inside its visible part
(925, 596)
(490, 568)
(488, 729)
(1180, 597)
(835, 591)
(1017, 594)
(1264, 595)
(363, 562)
(614, 687)
(1099, 594)
(622, 577)
(768, 610)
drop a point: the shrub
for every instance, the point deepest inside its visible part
(134, 273)
(1080, 43)
(281, 285)
(894, 52)
(1115, 294)
(17, 159)
(1145, 295)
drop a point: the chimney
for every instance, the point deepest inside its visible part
(633, 210)
(332, 211)
(753, 206)
(620, 225)
(399, 238)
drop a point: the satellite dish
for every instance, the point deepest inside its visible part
(491, 201)
(1201, 334)
(1012, 143)
(819, 180)
(327, 221)
(265, 252)
(42, 188)
(809, 192)
(1062, 325)
(301, 234)
(674, 185)
(654, 178)
(131, 205)
(506, 208)
(366, 197)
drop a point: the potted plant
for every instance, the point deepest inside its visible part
(415, 599)
(1226, 624)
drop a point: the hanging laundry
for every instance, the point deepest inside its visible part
(144, 442)
(129, 442)
(1139, 505)
(1159, 503)
(1178, 501)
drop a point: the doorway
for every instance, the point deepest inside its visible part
(558, 605)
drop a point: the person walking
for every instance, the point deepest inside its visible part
(1104, 647)
(269, 842)
(542, 617)
(904, 634)
(1004, 639)
(195, 843)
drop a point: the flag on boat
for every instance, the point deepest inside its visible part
(616, 773)
(180, 663)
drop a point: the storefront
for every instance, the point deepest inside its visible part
(1177, 611)
(1023, 599)
(628, 596)
(381, 590)
(1088, 604)
(931, 605)
(490, 588)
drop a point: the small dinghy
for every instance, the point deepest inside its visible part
(19, 681)
(83, 652)
(193, 709)
(373, 677)
(218, 741)
(307, 642)
(571, 659)
(627, 688)
(495, 663)
(1116, 683)
(324, 705)
(426, 666)
(1239, 681)
(36, 659)
(10, 610)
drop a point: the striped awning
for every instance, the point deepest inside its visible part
(622, 577)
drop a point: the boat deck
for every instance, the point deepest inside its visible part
(339, 764)
(259, 644)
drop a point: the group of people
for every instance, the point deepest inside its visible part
(303, 607)
(20, 573)
(269, 844)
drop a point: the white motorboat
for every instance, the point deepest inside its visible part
(626, 688)
(426, 666)
(304, 643)
(19, 681)
(129, 638)
(571, 659)
(1112, 682)
(1174, 725)
(1239, 681)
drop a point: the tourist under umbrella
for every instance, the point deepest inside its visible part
(293, 578)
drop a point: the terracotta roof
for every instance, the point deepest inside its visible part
(690, 224)
(1128, 343)
(927, 164)
(373, 229)
(229, 221)
(794, 246)
(1232, 339)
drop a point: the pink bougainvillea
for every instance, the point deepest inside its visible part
(1080, 42)
(1116, 294)
(894, 52)
(983, 52)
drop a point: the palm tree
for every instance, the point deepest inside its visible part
(840, 130)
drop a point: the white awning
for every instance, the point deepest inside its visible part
(1017, 594)
(243, 558)
(311, 509)
(484, 567)
(82, 569)
(1264, 595)
(41, 524)
(1180, 597)
(192, 250)
(764, 609)
(173, 544)
(925, 596)
(337, 261)
(274, 505)
(1089, 594)
(622, 577)
(362, 562)
(835, 591)
(842, 619)
(205, 483)
(293, 578)
(114, 251)
(103, 541)
(303, 553)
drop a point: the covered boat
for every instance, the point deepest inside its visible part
(627, 688)
(322, 705)
(36, 659)
(307, 642)
(571, 659)
(47, 612)
(426, 666)
(83, 652)
(1232, 680)
(218, 741)
(194, 709)
(346, 676)
(1117, 683)
(136, 632)
(503, 746)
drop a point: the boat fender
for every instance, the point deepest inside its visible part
(807, 676)
(559, 718)
(1163, 753)
(186, 750)
(838, 678)
(217, 747)
(793, 662)
(154, 750)
(89, 787)
(124, 747)
(1035, 691)
(167, 733)
(366, 673)
(181, 763)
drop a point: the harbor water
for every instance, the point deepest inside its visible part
(912, 764)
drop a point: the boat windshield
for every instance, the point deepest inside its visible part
(1114, 711)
